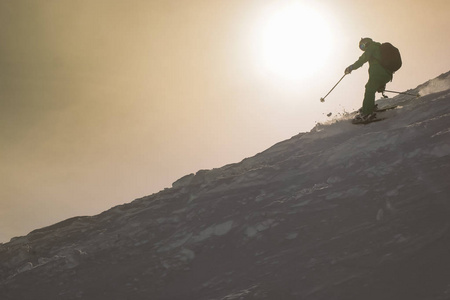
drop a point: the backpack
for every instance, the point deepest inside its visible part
(390, 57)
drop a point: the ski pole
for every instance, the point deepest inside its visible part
(402, 93)
(323, 99)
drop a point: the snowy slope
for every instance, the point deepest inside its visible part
(341, 212)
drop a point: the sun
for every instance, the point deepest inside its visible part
(295, 41)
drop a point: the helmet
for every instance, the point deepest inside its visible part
(364, 42)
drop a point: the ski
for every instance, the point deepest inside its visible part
(377, 110)
(357, 122)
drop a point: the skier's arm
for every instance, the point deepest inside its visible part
(364, 57)
(357, 64)
(361, 61)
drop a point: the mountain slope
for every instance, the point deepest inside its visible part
(341, 212)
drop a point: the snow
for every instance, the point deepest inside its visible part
(340, 210)
(214, 230)
(435, 86)
(252, 231)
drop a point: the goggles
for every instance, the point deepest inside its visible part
(364, 43)
(362, 46)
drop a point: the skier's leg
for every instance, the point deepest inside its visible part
(369, 96)
(378, 77)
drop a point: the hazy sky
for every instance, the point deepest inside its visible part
(105, 101)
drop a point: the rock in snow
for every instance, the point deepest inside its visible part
(341, 212)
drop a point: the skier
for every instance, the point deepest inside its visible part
(378, 77)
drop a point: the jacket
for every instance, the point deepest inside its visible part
(372, 55)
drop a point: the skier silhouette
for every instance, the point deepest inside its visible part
(378, 76)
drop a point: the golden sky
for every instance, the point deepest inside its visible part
(105, 101)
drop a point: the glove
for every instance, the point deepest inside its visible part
(348, 70)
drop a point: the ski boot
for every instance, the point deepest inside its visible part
(364, 119)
